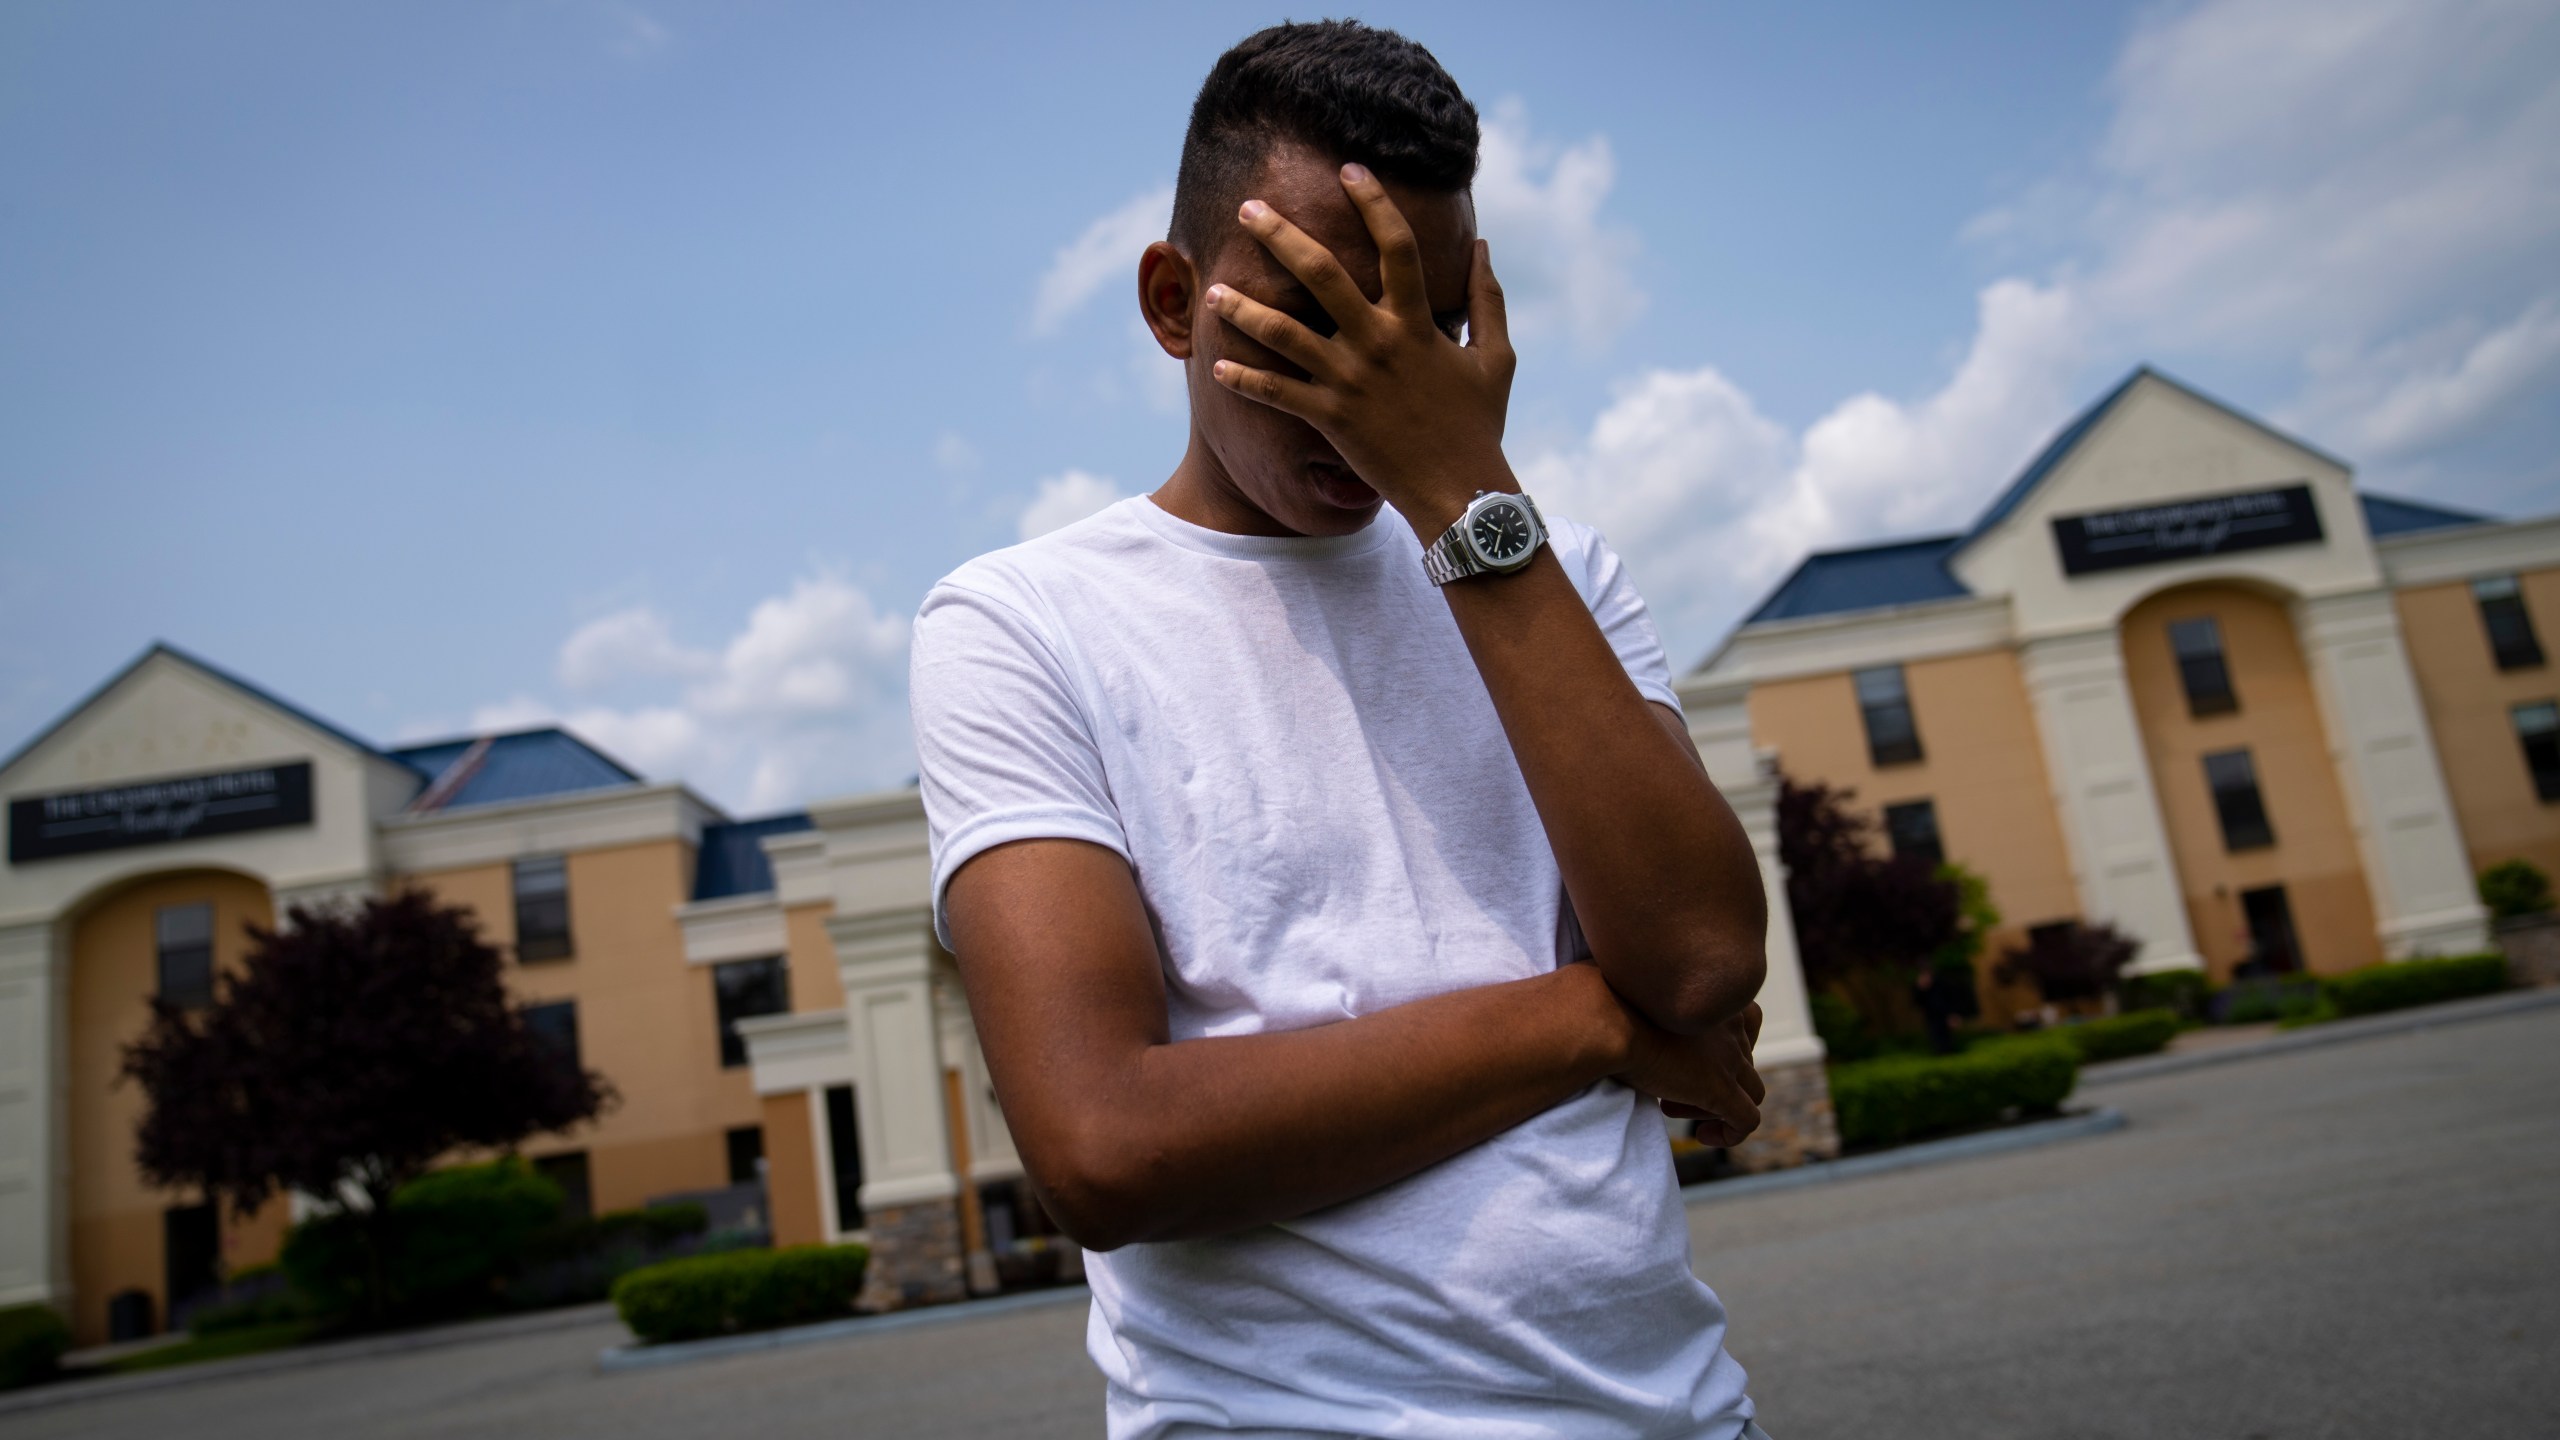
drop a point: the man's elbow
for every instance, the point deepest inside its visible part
(1095, 1190)
(1719, 975)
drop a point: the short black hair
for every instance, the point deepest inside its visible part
(1347, 89)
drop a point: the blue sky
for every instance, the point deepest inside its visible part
(642, 364)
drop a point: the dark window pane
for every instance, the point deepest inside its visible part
(555, 1028)
(1913, 827)
(1893, 734)
(2201, 666)
(744, 988)
(2511, 637)
(542, 908)
(746, 1154)
(2538, 726)
(2236, 799)
(569, 1172)
(185, 936)
(844, 1156)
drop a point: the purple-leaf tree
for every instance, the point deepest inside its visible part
(1857, 908)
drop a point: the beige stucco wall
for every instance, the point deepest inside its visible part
(2468, 700)
(2278, 722)
(816, 984)
(646, 1019)
(791, 1162)
(1981, 764)
(116, 1219)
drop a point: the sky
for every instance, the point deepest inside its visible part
(639, 366)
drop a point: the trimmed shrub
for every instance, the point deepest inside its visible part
(32, 1338)
(276, 1309)
(2117, 1036)
(2513, 889)
(454, 1234)
(2398, 984)
(743, 1290)
(1845, 1033)
(2181, 991)
(1901, 1097)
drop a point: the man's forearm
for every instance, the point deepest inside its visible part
(1662, 877)
(1200, 1137)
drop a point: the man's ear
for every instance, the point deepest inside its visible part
(1168, 289)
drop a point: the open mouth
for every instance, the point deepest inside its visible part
(1339, 487)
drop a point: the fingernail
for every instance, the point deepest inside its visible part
(1355, 172)
(1217, 294)
(1253, 209)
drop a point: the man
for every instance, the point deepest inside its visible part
(1269, 827)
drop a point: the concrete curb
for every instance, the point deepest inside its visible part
(2336, 1032)
(635, 1356)
(1912, 1157)
(73, 1392)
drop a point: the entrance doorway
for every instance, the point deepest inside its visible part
(191, 1248)
(2273, 949)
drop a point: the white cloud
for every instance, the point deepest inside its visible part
(1107, 251)
(1563, 270)
(807, 699)
(2353, 203)
(1063, 499)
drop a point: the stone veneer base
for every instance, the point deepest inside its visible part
(915, 1256)
(1796, 1123)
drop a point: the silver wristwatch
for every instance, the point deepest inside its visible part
(1499, 534)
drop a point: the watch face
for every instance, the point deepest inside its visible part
(1501, 532)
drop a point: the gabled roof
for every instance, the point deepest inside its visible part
(2068, 439)
(2387, 515)
(519, 765)
(732, 859)
(1870, 577)
(212, 672)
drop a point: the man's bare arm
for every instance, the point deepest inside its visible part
(1662, 878)
(1128, 1136)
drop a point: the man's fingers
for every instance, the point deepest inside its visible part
(1315, 266)
(1277, 391)
(1276, 332)
(1488, 324)
(1751, 1019)
(1399, 256)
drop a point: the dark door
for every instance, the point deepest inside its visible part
(844, 1156)
(191, 1237)
(2272, 948)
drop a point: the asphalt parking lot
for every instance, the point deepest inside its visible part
(2356, 1241)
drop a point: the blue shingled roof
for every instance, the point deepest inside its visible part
(1903, 572)
(2387, 515)
(525, 765)
(732, 859)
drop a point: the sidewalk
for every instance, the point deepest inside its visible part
(2198, 1049)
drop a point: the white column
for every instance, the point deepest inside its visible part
(2102, 783)
(2415, 863)
(1720, 723)
(35, 1171)
(887, 965)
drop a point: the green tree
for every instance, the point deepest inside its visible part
(2515, 888)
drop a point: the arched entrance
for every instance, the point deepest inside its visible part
(161, 934)
(2267, 861)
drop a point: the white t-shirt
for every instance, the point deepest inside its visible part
(1288, 741)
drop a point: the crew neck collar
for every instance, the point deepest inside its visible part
(1182, 532)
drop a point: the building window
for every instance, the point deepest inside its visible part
(2198, 645)
(1913, 827)
(569, 1172)
(745, 988)
(185, 938)
(555, 1029)
(2538, 726)
(2511, 637)
(1892, 736)
(542, 908)
(746, 1154)
(844, 1156)
(2236, 799)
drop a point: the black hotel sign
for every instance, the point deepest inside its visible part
(2187, 529)
(153, 812)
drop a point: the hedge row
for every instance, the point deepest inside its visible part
(742, 1290)
(2398, 984)
(1882, 1101)
(2116, 1036)
(32, 1338)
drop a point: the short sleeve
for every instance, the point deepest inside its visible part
(1003, 751)
(1602, 579)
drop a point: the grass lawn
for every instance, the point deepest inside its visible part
(221, 1346)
